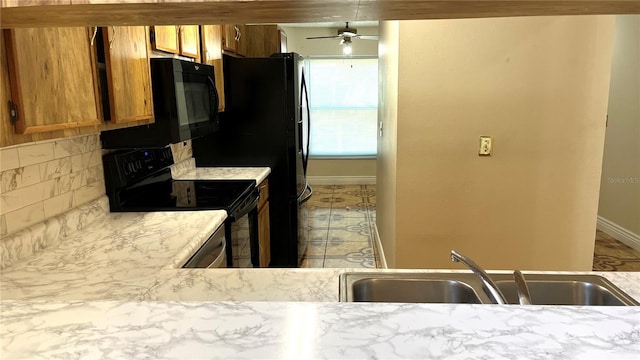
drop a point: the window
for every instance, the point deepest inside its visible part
(343, 96)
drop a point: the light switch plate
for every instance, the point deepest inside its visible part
(486, 146)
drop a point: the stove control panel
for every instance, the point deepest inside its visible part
(123, 168)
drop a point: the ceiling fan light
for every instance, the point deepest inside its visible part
(346, 48)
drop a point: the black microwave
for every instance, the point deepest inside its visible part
(185, 106)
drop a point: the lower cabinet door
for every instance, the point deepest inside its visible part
(264, 237)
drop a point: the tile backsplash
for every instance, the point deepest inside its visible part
(44, 179)
(181, 151)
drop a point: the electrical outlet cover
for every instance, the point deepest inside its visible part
(486, 146)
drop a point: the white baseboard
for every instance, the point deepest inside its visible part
(619, 233)
(341, 180)
(378, 245)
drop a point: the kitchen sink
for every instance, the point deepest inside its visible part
(545, 289)
(548, 289)
(408, 288)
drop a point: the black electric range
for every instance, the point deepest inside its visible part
(140, 180)
(162, 193)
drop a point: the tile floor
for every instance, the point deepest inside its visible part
(341, 219)
(612, 255)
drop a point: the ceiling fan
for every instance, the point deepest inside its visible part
(346, 34)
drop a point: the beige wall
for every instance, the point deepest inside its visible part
(539, 86)
(620, 186)
(297, 42)
(347, 167)
(388, 143)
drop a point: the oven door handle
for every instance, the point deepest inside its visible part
(221, 260)
(247, 208)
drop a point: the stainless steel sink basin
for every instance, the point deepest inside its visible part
(566, 290)
(545, 289)
(408, 288)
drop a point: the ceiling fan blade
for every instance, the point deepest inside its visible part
(367, 37)
(324, 37)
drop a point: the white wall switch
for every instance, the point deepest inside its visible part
(486, 145)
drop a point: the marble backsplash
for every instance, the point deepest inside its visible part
(181, 151)
(182, 158)
(43, 179)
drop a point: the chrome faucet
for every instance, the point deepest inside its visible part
(494, 292)
(521, 286)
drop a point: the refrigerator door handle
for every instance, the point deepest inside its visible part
(308, 140)
(304, 198)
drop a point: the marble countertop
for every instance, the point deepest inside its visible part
(114, 289)
(190, 172)
(294, 330)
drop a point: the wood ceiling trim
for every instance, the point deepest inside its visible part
(151, 12)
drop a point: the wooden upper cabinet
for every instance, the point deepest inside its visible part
(190, 41)
(177, 39)
(212, 55)
(128, 74)
(232, 38)
(260, 40)
(53, 78)
(165, 38)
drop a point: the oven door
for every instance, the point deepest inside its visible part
(212, 254)
(242, 235)
(241, 243)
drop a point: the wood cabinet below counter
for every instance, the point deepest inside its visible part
(264, 229)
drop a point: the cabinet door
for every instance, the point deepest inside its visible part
(190, 41)
(128, 73)
(260, 40)
(53, 79)
(264, 238)
(230, 37)
(165, 38)
(212, 55)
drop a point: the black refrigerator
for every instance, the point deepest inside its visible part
(266, 123)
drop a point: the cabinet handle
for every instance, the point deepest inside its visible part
(93, 37)
(237, 37)
(113, 37)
